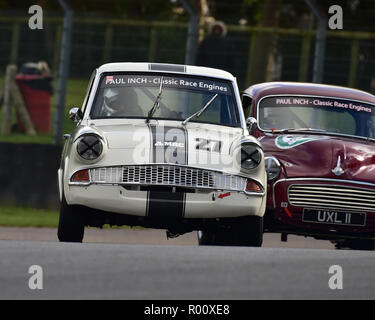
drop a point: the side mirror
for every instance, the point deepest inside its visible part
(75, 114)
(251, 123)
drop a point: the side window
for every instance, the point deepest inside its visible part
(247, 105)
(89, 88)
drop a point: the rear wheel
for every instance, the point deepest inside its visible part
(356, 244)
(247, 231)
(71, 224)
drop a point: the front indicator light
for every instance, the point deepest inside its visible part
(252, 186)
(81, 176)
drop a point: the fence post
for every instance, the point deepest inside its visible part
(250, 57)
(192, 37)
(320, 42)
(108, 43)
(152, 46)
(63, 70)
(353, 63)
(14, 44)
(57, 47)
(7, 108)
(305, 58)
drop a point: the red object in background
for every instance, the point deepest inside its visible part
(36, 93)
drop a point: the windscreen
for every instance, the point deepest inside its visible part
(134, 95)
(326, 114)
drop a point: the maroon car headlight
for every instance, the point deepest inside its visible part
(273, 168)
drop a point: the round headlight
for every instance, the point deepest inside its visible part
(273, 168)
(89, 147)
(251, 156)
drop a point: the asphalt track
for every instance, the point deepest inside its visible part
(148, 236)
(160, 271)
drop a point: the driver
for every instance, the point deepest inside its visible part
(277, 118)
(121, 102)
(165, 112)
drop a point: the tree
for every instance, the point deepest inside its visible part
(155, 9)
(264, 44)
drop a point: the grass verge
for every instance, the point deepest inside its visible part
(12, 216)
(15, 216)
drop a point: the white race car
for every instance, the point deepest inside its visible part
(163, 146)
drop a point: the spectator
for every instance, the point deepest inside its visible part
(215, 50)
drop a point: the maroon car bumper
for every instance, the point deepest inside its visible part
(325, 207)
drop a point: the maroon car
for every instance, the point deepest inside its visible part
(319, 141)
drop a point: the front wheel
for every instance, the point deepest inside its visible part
(247, 231)
(71, 224)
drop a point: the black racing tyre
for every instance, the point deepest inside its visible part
(71, 224)
(357, 244)
(205, 238)
(249, 231)
(215, 238)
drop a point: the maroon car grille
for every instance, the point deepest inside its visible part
(332, 196)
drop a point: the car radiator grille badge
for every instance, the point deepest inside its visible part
(338, 171)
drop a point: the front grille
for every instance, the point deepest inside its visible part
(332, 196)
(168, 175)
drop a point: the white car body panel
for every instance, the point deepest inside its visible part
(131, 142)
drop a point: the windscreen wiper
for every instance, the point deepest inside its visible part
(308, 129)
(199, 112)
(286, 130)
(156, 102)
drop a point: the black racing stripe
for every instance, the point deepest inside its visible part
(184, 209)
(166, 204)
(147, 202)
(151, 157)
(153, 141)
(186, 147)
(167, 67)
